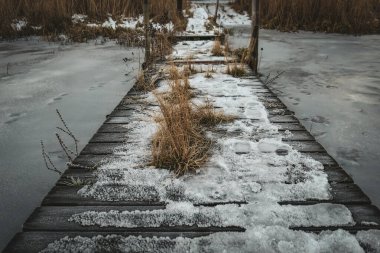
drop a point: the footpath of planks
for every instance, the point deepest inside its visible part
(49, 222)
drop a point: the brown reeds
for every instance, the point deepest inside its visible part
(217, 49)
(55, 16)
(180, 143)
(235, 69)
(341, 16)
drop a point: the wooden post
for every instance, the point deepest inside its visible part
(254, 44)
(216, 11)
(180, 7)
(147, 32)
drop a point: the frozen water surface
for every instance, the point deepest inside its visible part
(332, 83)
(84, 81)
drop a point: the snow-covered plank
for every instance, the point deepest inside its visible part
(68, 196)
(305, 146)
(365, 216)
(298, 136)
(33, 242)
(346, 193)
(58, 219)
(289, 126)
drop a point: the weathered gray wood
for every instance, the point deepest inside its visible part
(68, 196)
(279, 111)
(33, 242)
(113, 128)
(365, 216)
(323, 158)
(289, 126)
(91, 160)
(283, 119)
(118, 120)
(341, 194)
(337, 175)
(100, 148)
(56, 219)
(196, 37)
(306, 146)
(109, 138)
(298, 136)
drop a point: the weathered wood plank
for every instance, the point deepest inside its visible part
(279, 111)
(341, 194)
(289, 126)
(91, 160)
(118, 120)
(283, 119)
(108, 138)
(306, 146)
(113, 128)
(323, 158)
(100, 148)
(56, 219)
(68, 196)
(298, 136)
(337, 175)
(365, 216)
(34, 242)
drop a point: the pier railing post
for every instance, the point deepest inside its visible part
(147, 32)
(216, 11)
(179, 7)
(254, 44)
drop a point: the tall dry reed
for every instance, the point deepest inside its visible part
(342, 16)
(55, 15)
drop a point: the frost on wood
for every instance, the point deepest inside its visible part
(259, 239)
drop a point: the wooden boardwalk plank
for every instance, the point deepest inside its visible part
(108, 138)
(113, 128)
(68, 196)
(56, 219)
(34, 242)
(346, 193)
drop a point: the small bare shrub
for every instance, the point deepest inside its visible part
(235, 69)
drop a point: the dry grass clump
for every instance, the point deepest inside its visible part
(179, 89)
(217, 49)
(209, 71)
(342, 16)
(236, 70)
(143, 83)
(180, 143)
(174, 73)
(208, 116)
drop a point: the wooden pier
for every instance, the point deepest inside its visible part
(49, 222)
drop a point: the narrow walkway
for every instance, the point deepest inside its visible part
(264, 188)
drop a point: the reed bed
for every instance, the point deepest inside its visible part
(55, 16)
(338, 16)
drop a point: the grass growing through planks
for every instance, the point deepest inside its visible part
(217, 49)
(181, 144)
(143, 83)
(235, 69)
